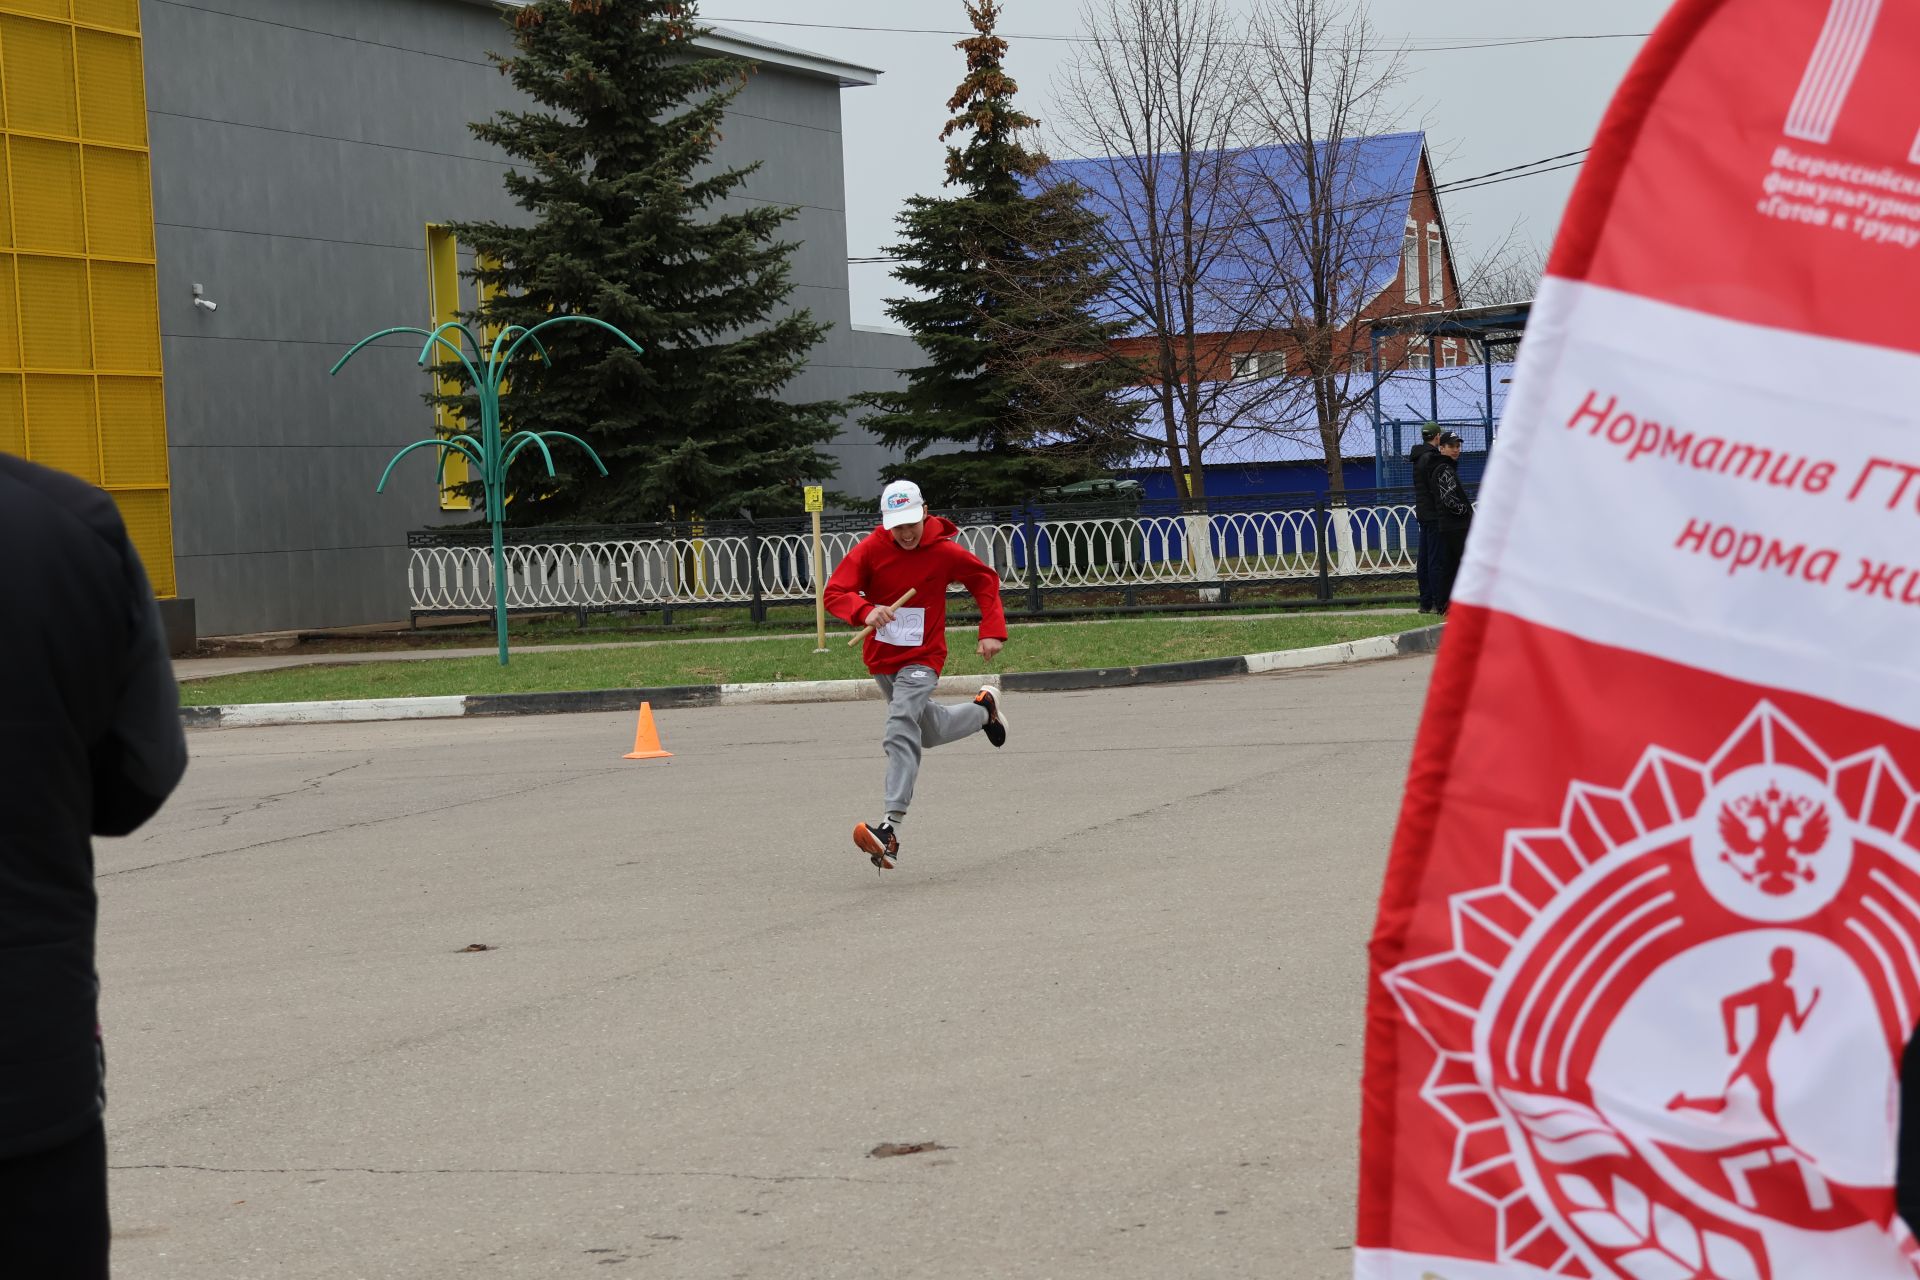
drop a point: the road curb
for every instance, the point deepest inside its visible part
(552, 704)
(673, 697)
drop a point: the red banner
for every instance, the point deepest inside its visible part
(1649, 943)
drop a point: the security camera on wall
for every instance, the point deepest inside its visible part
(199, 299)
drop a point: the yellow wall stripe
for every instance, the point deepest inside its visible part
(80, 372)
(443, 296)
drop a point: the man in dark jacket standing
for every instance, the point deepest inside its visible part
(1423, 515)
(1452, 516)
(90, 744)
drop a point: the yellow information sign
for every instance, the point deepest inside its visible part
(816, 497)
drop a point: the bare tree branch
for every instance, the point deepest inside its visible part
(1324, 239)
(1157, 99)
(1247, 209)
(1509, 271)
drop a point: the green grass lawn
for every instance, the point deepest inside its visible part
(1099, 644)
(692, 622)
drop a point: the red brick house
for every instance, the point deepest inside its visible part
(1393, 243)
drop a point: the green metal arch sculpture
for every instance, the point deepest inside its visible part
(486, 450)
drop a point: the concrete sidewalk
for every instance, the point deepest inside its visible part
(205, 668)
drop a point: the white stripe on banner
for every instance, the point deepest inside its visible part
(1830, 72)
(1704, 452)
(1384, 1264)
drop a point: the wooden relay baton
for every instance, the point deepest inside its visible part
(865, 631)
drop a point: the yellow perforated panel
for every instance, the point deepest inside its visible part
(48, 211)
(443, 296)
(113, 98)
(61, 428)
(126, 330)
(149, 518)
(13, 418)
(124, 14)
(53, 301)
(119, 200)
(36, 59)
(133, 432)
(9, 317)
(80, 385)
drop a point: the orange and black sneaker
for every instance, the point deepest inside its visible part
(879, 842)
(996, 726)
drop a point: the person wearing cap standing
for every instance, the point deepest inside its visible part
(1453, 516)
(1423, 515)
(915, 550)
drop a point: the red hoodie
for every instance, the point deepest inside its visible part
(878, 572)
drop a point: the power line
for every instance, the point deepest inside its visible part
(1491, 178)
(1478, 42)
(1571, 164)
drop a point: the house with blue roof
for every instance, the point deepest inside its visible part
(1349, 230)
(1278, 451)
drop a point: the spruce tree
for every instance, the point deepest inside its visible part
(1019, 380)
(613, 165)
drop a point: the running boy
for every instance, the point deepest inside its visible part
(908, 646)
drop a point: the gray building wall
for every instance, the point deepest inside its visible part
(299, 148)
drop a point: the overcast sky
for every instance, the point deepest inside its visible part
(1483, 109)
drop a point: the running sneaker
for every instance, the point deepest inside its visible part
(996, 726)
(879, 842)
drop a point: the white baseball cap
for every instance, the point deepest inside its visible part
(901, 503)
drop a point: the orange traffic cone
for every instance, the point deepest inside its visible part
(646, 739)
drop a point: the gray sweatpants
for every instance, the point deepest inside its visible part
(914, 723)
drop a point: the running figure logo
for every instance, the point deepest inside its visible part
(1774, 1006)
(1571, 1019)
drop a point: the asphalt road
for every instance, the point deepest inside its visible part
(1118, 979)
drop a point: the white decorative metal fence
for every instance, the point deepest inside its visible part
(740, 564)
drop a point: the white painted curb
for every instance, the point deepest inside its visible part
(769, 692)
(263, 713)
(1325, 655)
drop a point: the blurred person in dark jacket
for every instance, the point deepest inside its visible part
(90, 744)
(1906, 1178)
(1423, 515)
(1452, 515)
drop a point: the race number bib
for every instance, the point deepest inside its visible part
(908, 629)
